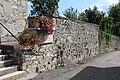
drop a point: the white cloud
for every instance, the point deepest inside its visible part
(110, 2)
(103, 5)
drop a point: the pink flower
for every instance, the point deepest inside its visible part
(43, 25)
(50, 32)
(35, 17)
(33, 39)
(27, 35)
(47, 18)
(42, 17)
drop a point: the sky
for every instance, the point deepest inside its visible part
(81, 5)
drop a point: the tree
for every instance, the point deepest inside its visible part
(44, 6)
(114, 12)
(106, 25)
(82, 17)
(89, 15)
(92, 15)
(71, 13)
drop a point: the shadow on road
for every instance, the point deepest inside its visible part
(96, 73)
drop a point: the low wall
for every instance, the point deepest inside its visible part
(114, 44)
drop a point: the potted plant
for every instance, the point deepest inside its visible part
(46, 24)
(28, 38)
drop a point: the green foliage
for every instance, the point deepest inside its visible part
(116, 29)
(82, 17)
(92, 15)
(71, 13)
(44, 6)
(89, 15)
(28, 37)
(114, 12)
(106, 25)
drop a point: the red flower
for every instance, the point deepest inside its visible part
(35, 17)
(28, 38)
(27, 43)
(19, 41)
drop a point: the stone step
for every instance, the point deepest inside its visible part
(13, 76)
(7, 70)
(5, 63)
(3, 57)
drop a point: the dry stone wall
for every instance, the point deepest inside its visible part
(72, 43)
(13, 14)
(46, 58)
(77, 40)
(112, 45)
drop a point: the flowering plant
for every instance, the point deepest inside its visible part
(45, 23)
(28, 37)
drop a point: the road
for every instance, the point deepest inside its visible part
(102, 67)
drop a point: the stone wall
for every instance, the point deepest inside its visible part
(112, 45)
(77, 40)
(13, 14)
(46, 58)
(72, 43)
(115, 43)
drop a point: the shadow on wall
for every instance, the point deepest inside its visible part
(96, 73)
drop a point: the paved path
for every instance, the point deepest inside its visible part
(99, 68)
